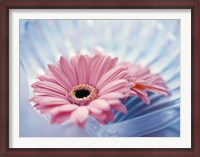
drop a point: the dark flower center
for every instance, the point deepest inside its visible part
(81, 93)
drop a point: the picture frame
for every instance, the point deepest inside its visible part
(89, 4)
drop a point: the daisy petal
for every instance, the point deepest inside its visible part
(94, 66)
(110, 116)
(62, 80)
(112, 95)
(82, 70)
(47, 78)
(47, 92)
(94, 109)
(100, 104)
(113, 63)
(50, 86)
(155, 88)
(143, 95)
(100, 117)
(102, 68)
(109, 76)
(47, 100)
(113, 86)
(79, 116)
(68, 70)
(60, 118)
(121, 108)
(61, 108)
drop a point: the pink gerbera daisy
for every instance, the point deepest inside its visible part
(143, 80)
(85, 85)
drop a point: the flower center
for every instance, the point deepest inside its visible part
(82, 94)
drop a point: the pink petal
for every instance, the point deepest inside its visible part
(143, 72)
(100, 104)
(120, 108)
(100, 117)
(48, 72)
(62, 80)
(94, 109)
(79, 116)
(109, 76)
(121, 75)
(47, 78)
(104, 117)
(88, 59)
(36, 105)
(153, 78)
(114, 102)
(50, 86)
(136, 70)
(52, 101)
(94, 66)
(46, 100)
(68, 70)
(113, 95)
(143, 95)
(82, 70)
(132, 93)
(165, 93)
(155, 88)
(58, 65)
(114, 86)
(45, 107)
(61, 108)
(113, 63)
(48, 92)
(60, 118)
(36, 98)
(74, 61)
(101, 69)
(110, 116)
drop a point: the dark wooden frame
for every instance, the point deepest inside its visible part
(194, 5)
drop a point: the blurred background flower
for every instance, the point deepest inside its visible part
(151, 43)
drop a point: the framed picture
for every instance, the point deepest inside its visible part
(99, 78)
